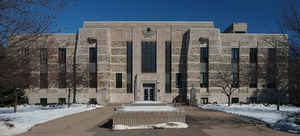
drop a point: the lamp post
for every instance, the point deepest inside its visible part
(91, 41)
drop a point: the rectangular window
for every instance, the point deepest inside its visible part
(43, 80)
(43, 101)
(252, 75)
(178, 80)
(148, 56)
(93, 55)
(62, 67)
(93, 68)
(92, 101)
(168, 69)
(204, 100)
(62, 55)
(204, 80)
(203, 54)
(235, 80)
(129, 67)
(235, 55)
(272, 68)
(118, 80)
(235, 100)
(43, 56)
(253, 55)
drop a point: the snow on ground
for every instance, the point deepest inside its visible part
(30, 115)
(152, 126)
(275, 119)
(147, 108)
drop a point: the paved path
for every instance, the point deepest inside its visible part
(201, 122)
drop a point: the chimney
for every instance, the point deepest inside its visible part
(237, 27)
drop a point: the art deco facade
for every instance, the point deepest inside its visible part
(120, 62)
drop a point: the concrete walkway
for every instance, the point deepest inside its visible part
(201, 122)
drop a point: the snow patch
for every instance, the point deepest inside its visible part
(152, 126)
(275, 119)
(30, 115)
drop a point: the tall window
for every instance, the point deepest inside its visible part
(253, 55)
(204, 79)
(252, 68)
(203, 67)
(203, 54)
(129, 67)
(272, 68)
(235, 55)
(93, 55)
(168, 69)
(43, 68)
(43, 56)
(62, 67)
(148, 56)
(178, 80)
(118, 80)
(93, 68)
(235, 66)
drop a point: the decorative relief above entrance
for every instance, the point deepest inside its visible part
(148, 32)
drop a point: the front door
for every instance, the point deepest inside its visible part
(149, 92)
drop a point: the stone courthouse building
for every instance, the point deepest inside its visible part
(126, 61)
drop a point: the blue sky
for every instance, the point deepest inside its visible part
(261, 15)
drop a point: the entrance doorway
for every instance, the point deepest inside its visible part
(149, 92)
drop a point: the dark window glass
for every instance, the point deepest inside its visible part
(253, 55)
(118, 80)
(252, 75)
(43, 56)
(203, 54)
(235, 80)
(178, 80)
(148, 56)
(272, 68)
(62, 67)
(235, 55)
(204, 79)
(129, 67)
(93, 80)
(62, 55)
(93, 55)
(235, 100)
(43, 80)
(253, 83)
(43, 101)
(92, 101)
(204, 100)
(62, 80)
(168, 66)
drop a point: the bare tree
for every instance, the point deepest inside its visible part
(229, 82)
(66, 80)
(290, 23)
(275, 68)
(22, 25)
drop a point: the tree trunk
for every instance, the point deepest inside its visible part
(228, 102)
(278, 99)
(69, 97)
(16, 100)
